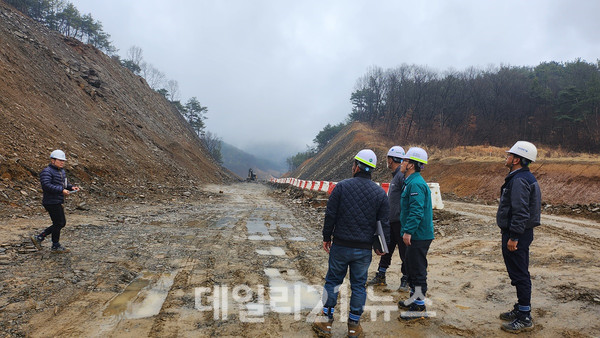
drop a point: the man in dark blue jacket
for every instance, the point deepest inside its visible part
(518, 213)
(55, 186)
(353, 209)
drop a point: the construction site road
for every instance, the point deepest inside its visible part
(246, 260)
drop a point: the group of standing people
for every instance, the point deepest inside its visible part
(406, 215)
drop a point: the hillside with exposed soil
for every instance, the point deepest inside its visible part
(472, 173)
(121, 137)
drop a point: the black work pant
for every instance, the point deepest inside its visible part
(416, 265)
(517, 265)
(395, 239)
(57, 215)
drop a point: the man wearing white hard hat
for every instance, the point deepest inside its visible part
(394, 161)
(353, 209)
(416, 216)
(518, 213)
(55, 187)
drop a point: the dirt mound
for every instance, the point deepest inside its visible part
(118, 133)
(468, 175)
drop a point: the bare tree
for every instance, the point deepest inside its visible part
(155, 78)
(135, 55)
(213, 144)
(173, 89)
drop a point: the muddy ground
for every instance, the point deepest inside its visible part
(246, 260)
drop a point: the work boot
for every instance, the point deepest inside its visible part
(37, 241)
(57, 248)
(522, 323)
(355, 330)
(404, 284)
(414, 311)
(322, 325)
(378, 280)
(510, 315)
(404, 304)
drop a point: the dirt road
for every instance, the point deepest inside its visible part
(246, 260)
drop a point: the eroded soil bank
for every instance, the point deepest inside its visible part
(246, 260)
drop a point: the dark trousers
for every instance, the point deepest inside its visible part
(517, 265)
(57, 215)
(416, 266)
(395, 239)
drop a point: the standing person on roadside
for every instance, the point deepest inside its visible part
(55, 186)
(416, 216)
(518, 213)
(353, 209)
(394, 160)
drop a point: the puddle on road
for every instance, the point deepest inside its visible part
(284, 225)
(273, 251)
(261, 238)
(257, 226)
(142, 298)
(226, 221)
(290, 296)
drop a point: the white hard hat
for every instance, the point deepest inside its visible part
(58, 154)
(416, 154)
(396, 151)
(367, 157)
(524, 149)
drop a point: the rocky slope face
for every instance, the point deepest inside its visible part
(119, 135)
(334, 162)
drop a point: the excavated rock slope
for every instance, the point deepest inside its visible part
(118, 134)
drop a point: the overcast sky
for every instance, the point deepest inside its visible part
(273, 73)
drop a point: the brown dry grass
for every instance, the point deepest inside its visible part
(495, 154)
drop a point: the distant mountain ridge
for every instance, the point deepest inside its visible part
(239, 161)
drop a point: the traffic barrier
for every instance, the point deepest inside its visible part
(326, 186)
(330, 188)
(436, 196)
(386, 187)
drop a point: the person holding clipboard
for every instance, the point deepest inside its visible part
(394, 159)
(353, 210)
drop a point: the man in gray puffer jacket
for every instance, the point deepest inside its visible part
(518, 213)
(353, 209)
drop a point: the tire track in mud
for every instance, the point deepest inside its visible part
(577, 230)
(263, 226)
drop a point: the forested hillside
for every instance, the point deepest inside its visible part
(554, 103)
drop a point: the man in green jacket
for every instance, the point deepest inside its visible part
(416, 217)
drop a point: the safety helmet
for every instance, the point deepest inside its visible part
(367, 157)
(58, 154)
(524, 149)
(396, 151)
(416, 154)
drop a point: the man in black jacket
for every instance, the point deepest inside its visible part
(518, 213)
(353, 209)
(55, 186)
(394, 159)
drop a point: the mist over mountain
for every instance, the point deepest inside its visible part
(239, 161)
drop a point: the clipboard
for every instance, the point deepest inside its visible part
(380, 242)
